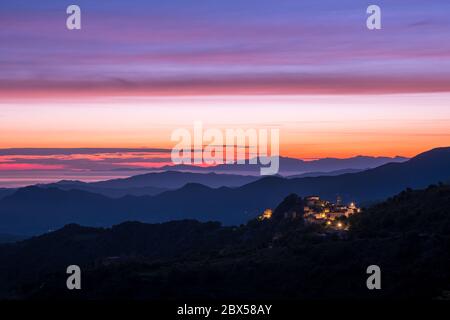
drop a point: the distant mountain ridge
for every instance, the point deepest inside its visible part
(35, 210)
(328, 173)
(109, 192)
(292, 166)
(152, 183)
(175, 180)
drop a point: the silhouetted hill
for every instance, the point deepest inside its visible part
(6, 192)
(175, 180)
(8, 238)
(425, 212)
(109, 192)
(149, 183)
(407, 236)
(328, 173)
(130, 240)
(32, 209)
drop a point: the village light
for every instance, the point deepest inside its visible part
(339, 225)
(266, 215)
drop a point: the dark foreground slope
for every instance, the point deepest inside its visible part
(408, 236)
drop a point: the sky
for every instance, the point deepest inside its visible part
(137, 70)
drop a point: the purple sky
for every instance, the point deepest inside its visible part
(212, 46)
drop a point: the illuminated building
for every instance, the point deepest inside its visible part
(266, 215)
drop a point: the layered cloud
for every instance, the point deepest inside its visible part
(83, 159)
(222, 47)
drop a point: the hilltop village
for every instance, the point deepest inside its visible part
(314, 210)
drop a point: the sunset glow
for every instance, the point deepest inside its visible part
(310, 126)
(134, 74)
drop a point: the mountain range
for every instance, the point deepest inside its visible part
(291, 166)
(34, 210)
(152, 183)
